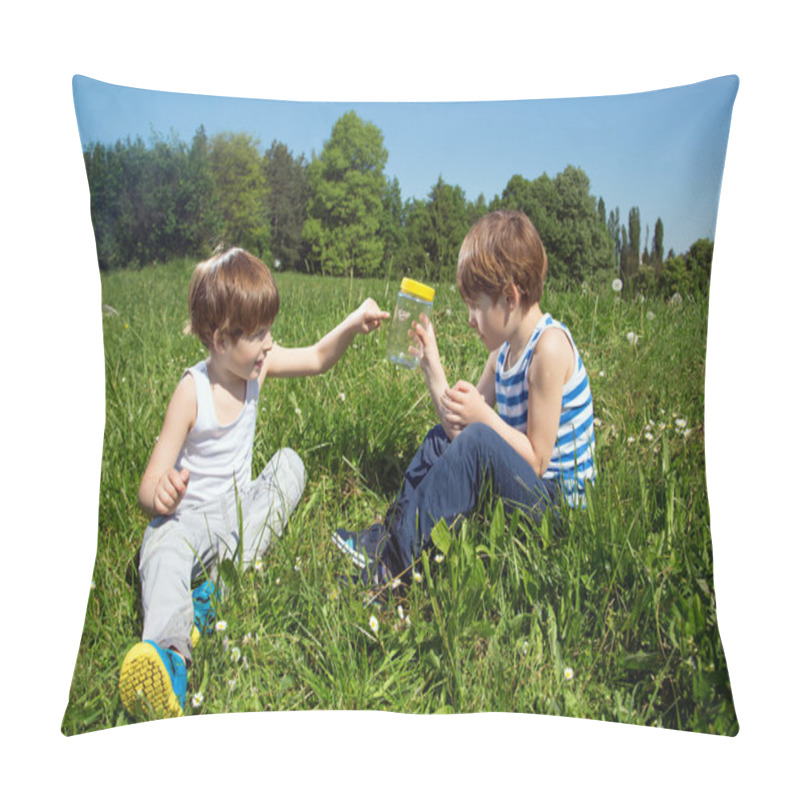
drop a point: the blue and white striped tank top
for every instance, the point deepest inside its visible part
(572, 460)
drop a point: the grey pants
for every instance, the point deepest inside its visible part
(179, 549)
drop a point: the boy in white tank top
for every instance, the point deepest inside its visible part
(200, 467)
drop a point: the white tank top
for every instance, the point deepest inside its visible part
(217, 456)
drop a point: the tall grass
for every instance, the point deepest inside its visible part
(611, 618)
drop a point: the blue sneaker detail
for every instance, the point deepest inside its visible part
(153, 678)
(363, 548)
(203, 599)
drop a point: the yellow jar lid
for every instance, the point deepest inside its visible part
(417, 289)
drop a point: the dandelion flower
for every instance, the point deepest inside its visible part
(616, 285)
(568, 673)
(221, 626)
(373, 623)
(417, 576)
(632, 337)
(197, 699)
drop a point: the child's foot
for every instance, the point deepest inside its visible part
(364, 549)
(204, 615)
(153, 678)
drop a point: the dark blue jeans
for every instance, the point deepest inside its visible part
(446, 480)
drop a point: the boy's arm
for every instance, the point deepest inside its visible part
(551, 366)
(294, 362)
(427, 350)
(162, 487)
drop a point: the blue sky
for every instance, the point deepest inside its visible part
(662, 151)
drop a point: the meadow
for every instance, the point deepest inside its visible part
(612, 618)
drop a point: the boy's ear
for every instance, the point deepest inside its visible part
(219, 343)
(511, 295)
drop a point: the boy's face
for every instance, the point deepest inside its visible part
(490, 320)
(245, 358)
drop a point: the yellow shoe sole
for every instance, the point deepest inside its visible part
(144, 683)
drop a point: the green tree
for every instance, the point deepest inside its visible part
(564, 212)
(241, 192)
(288, 192)
(391, 231)
(345, 209)
(658, 244)
(629, 263)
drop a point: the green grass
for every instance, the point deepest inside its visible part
(622, 601)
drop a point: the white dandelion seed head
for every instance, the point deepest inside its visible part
(341, 396)
(602, 373)
(632, 337)
(650, 316)
(236, 654)
(298, 412)
(616, 285)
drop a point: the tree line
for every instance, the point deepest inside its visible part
(339, 214)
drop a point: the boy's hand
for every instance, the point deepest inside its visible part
(425, 347)
(369, 315)
(463, 405)
(170, 491)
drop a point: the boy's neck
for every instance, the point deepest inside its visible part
(222, 377)
(522, 331)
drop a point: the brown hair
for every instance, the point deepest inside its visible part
(233, 294)
(501, 249)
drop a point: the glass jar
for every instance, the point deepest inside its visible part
(413, 299)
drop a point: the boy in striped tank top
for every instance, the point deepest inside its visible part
(527, 427)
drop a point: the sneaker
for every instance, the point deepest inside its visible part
(204, 616)
(363, 548)
(153, 678)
